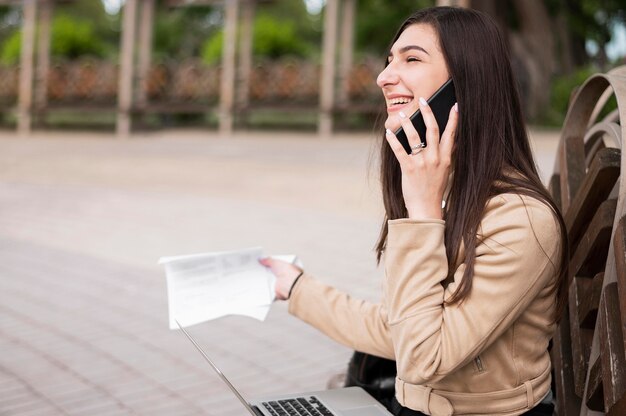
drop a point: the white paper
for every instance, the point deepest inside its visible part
(207, 286)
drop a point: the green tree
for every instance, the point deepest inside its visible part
(548, 42)
(272, 38)
(105, 26)
(78, 28)
(588, 20)
(10, 52)
(308, 27)
(377, 21)
(281, 28)
(9, 20)
(70, 38)
(179, 33)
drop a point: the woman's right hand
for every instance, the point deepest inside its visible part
(425, 172)
(286, 275)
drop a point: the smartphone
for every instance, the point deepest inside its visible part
(441, 103)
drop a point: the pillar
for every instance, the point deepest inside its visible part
(245, 52)
(327, 84)
(145, 50)
(26, 68)
(43, 55)
(346, 50)
(227, 90)
(125, 78)
(457, 3)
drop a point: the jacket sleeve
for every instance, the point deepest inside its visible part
(355, 323)
(519, 243)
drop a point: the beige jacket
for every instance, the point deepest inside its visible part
(487, 355)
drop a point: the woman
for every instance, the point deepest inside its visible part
(472, 291)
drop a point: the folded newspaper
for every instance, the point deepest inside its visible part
(206, 286)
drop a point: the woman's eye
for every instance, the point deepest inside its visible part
(412, 59)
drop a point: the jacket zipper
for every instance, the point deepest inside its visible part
(479, 364)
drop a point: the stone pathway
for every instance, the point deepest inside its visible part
(83, 220)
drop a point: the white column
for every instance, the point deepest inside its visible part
(347, 48)
(227, 91)
(327, 85)
(43, 54)
(125, 79)
(25, 98)
(245, 52)
(145, 49)
(457, 3)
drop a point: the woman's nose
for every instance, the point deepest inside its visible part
(387, 77)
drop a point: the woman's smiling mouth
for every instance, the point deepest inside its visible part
(398, 102)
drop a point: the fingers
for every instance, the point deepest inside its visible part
(267, 262)
(396, 146)
(449, 134)
(432, 128)
(412, 135)
(437, 145)
(277, 265)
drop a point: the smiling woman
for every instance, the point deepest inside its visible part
(412, 71)
(474, 247)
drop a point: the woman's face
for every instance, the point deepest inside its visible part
(416, 68)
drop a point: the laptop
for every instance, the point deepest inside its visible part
(347, 401)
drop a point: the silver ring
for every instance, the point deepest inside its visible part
(416, 149)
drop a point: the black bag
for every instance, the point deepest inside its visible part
(374, 374)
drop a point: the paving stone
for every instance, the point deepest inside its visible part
(83, 302)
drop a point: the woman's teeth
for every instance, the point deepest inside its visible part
(403, 100)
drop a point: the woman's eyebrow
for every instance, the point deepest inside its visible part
(412, 47)
(409, 48)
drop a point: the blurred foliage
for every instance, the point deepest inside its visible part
(9, 20)
(212, 49)
(272, 39)
(281, 28)
(587, 21)
(10, 52)
(82, 28)
(308, 27)
(10, 38)
(590, 20)
(106, 27)
(377, 22)
(563, 90)
(70, 39)
(179, 32)
(286, 28)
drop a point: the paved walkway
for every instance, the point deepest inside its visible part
(83, 220)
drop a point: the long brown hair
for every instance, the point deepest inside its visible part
(492, 140)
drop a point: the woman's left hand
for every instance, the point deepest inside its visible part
(286, 275)
(425, 172)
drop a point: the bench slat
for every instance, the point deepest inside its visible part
(595, 188)
(612, 347)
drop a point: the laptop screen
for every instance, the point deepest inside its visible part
(218, 371)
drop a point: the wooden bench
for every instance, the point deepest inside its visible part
(588, 349)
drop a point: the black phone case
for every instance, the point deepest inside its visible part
(441, 103)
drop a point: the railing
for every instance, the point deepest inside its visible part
(179, 86)
(86, 82)
(9, 80)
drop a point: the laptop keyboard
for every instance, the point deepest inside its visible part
(301, 406)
